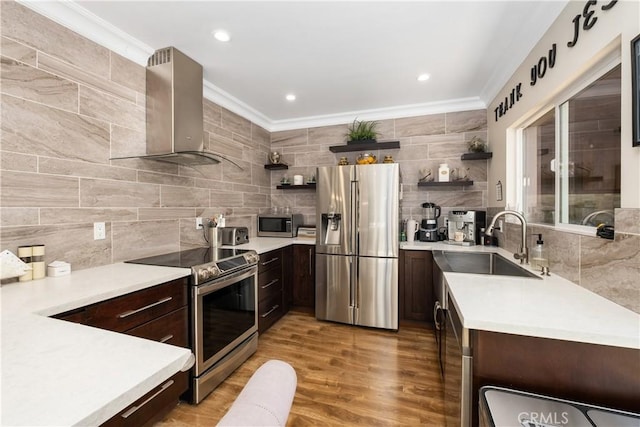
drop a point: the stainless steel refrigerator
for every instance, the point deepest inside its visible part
(357, 244)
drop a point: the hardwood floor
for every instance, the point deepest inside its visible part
(346, 376)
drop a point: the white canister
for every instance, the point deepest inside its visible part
(443, 173)
(412, 229)
(298, 180)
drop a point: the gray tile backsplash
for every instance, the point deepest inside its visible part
(68, 107)
(610, 268)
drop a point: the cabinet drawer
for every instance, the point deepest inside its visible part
(170, 329)
(269, 283)
(269, 311)
(131, 310)
(270, 260)
(153, 406)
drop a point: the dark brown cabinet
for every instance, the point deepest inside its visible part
(132, 310)
(158, 313)
(304, 276)
(153, 406)
(287, 277)
(415, 286)
(270, 289)
(583, 372)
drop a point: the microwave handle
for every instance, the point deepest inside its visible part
(288, 225)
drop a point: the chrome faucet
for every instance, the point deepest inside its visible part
(523, 255)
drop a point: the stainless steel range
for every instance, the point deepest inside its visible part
(223, 328)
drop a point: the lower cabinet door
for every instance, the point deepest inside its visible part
(269, 311)
(153, 406)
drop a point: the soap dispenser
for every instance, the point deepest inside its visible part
(539, 259)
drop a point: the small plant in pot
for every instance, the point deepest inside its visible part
(361, 132)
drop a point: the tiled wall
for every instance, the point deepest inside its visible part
(610, 268)
(68, 106)
(425, 143)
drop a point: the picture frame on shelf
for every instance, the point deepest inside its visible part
(635, 89)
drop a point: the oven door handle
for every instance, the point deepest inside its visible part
(222, 282)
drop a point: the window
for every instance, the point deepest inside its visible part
(539, 152)
(570, 169)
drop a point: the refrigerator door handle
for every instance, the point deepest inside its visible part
(356, 290)
(352, 289)
(354, 218)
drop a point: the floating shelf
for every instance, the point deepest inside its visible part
(387, 145)
(276, 166)
(476, 156)
(296, 187)
(445, 184)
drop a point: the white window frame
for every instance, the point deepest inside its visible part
(515, 172)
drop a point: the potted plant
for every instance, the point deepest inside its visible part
(361, 132)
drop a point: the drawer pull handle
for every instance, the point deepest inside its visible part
(146, 307)
(135, 408)
(269, 284)
(270, 261)
(275, 307)
(167, 338)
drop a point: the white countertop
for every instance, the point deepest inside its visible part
(61, 373)
(553, 307)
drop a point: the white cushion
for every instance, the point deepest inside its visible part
(266, 399)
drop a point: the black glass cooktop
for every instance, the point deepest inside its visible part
(189, 258)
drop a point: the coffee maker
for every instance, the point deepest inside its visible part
(429, 224)
(468, 223)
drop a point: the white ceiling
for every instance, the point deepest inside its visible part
(341, 59)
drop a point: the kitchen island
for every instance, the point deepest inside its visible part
(61, 373)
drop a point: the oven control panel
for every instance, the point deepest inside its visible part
(220, 268)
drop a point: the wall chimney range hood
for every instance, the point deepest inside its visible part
(174, 116)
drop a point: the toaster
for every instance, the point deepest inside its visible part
(234, 235)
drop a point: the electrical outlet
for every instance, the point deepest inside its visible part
(199, 225)
(99, 231)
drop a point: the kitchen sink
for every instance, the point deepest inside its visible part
(480, 263)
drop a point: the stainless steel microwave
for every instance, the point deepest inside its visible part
(279, 225)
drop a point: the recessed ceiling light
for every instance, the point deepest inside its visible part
(221, 35)
(290, 97)
(423, 77)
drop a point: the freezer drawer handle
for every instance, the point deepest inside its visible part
(270, 261)
(275, 307)
(269, 284)
(146, 307)
(134, 409)
(167, 338)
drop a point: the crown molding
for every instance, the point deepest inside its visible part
(224, 99)
(413, 110)
(76, 18)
